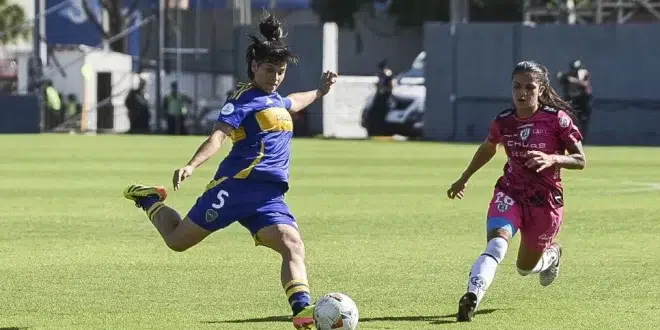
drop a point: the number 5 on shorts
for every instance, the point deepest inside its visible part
(221, 199)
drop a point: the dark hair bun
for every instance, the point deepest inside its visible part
(271, 28)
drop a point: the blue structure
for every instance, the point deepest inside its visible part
(71, 26)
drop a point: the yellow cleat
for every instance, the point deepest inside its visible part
(305, 319)
(136, 191)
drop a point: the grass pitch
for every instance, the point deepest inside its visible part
(377, 225)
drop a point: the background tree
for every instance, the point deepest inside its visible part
(11, 16)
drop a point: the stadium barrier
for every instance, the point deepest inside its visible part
(19, 114)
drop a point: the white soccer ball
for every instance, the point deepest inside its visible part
(336, 311)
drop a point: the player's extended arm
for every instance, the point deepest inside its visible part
(211, 145)
(482, 156)
(302, 100)
(575, 160)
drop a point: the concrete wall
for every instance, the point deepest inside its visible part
(469, 69)
(374, 39)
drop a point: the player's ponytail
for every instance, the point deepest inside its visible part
(549, 97)
(271, 28)
(272, 49)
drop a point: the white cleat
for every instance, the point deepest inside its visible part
(549, 275)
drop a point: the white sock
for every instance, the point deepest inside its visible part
(548, 258)
(483, 269)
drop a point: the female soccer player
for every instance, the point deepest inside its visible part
(536, 134)
(251, 181)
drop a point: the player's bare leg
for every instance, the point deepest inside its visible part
(483, 272)
(285, 240)
(546, 262)
(178, 235)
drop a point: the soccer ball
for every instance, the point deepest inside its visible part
(336, 311)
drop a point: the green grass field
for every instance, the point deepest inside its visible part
(377, 225)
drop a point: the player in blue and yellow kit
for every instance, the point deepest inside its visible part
(251, 181)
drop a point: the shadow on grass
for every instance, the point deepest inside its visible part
(442, 319)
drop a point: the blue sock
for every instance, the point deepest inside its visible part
(298, 293)
(147, 202)
(299, 301)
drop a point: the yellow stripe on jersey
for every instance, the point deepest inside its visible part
(245, 172)
(214, 183)
(238, 134)
(240, 91)
(274, 119)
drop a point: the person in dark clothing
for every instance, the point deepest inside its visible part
(138, 109)
(577, 89)
(375, 120)
(72, 107)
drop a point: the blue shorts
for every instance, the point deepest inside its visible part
(253, 204)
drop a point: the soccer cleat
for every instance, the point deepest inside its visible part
(135, 192)
(549, 275)
(304, 320)
(466, 307)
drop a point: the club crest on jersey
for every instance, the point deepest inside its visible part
(564, 122)
(211, 215)
(525, 133)
(227, 109)
(502, 207)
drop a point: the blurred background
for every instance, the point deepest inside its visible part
(166, 66)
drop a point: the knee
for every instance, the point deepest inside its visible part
(176, 246)
(501, 233)
(283, 239)
(497, 248)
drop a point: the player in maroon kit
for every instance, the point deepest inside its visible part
(539, 138)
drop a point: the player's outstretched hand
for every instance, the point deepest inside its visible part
(180, 175)
(457, 189)
(539, 160)
(328, 79)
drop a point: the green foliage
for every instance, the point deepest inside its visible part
(11, 16)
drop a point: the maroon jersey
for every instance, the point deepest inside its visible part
(549, 131)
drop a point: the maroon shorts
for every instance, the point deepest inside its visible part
(538, 225)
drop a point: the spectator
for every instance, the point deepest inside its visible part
(138, 109)
(72, 107)
(577, 90)
(375, 120)
(53, 105)
(175, 110)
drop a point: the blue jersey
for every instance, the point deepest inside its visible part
(262, 135)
